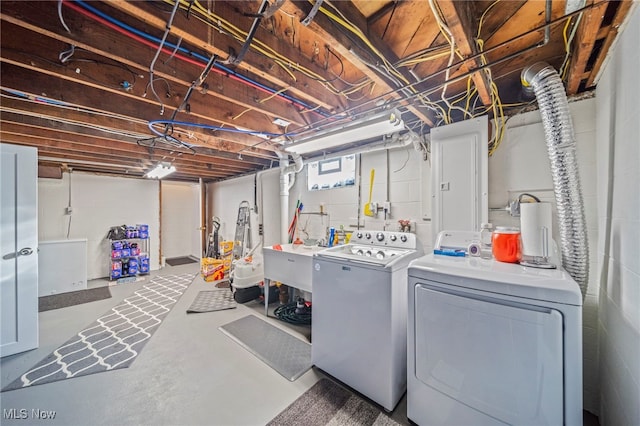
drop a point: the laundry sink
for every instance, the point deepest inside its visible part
(291, 266)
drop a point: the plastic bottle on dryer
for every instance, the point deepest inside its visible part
(486, 231)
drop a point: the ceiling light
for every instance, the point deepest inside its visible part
(161, 170)
(380, 124)
(281, 122)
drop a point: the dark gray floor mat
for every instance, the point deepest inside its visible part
(288, 355)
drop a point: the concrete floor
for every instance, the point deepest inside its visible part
(189, 373)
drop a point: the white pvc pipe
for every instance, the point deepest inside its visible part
(287, 179)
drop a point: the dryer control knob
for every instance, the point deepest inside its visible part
(393, 237)
(359, 234)
(367, 236)
(403, 238)
(379, 236)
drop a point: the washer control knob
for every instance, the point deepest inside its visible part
(393, 237)
(380, 254)
(368, 253)
(367, 236)
(403, 238)
(379, 236)
(359, 234)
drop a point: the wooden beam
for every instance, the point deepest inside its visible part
(104, 160)
(459, 18)
(347, 46)
(118, 126)
(198, 34)
(611, 32)
(74, 92)
(88, 73)
(122, 50)
(89, 143)
(585, 40)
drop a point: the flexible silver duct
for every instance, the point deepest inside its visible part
(561, 147)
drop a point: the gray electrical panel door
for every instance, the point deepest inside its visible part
(459, 176)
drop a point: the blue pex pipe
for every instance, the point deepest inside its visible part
(186, 51)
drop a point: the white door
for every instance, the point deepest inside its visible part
(180, 219)
(19, 249)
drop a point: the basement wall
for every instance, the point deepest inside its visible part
(618, 249)
(98, 202)
(401, 176)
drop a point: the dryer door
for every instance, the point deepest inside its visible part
(500, 358)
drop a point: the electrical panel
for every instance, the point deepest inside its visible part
(459, 176)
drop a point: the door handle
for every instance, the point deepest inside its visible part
(23, 252)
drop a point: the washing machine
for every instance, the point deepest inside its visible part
(359, 316)
(492, 343)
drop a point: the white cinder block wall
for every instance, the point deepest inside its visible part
(618, 167)
(98, 202)
(401, 176)
(224, 198)
(521, 165)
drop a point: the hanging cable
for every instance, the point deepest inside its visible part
(187, 55)
(69, 211)
(155, 58)
(250, 35)
(64, 24)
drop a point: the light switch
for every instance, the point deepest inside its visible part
(444, 186)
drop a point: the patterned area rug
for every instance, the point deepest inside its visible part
(328, 403)
(115, 339)
(209, 301)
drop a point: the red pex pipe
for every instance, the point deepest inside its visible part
(164, 50)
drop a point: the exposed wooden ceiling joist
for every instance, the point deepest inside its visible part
(349, 47)
(587, 33)
(93, 105)
(458, 18)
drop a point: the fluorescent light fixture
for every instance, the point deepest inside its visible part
(380, 124)
(161, 170)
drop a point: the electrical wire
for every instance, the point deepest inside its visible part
(155, 58)
(64, 24)
(152, 123)
(186, 55)
(69, 206)
(525, 194)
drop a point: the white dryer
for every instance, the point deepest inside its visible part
(492, 343)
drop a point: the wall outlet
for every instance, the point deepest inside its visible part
(68, 210)
(387, 207)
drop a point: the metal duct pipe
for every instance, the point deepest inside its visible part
(561, 147)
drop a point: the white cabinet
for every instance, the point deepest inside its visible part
(62, 266)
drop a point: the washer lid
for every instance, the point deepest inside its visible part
(553, 285)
